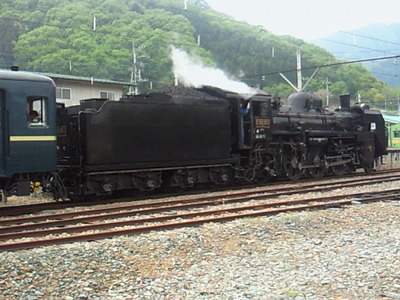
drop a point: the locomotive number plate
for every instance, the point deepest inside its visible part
(62, 131)
(263, 123)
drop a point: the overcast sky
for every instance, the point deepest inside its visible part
(310, 19)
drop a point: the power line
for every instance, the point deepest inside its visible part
(361, 47)
(351, 52)
(371, 38)
(385, 74)
(326, 65)
(367, 49)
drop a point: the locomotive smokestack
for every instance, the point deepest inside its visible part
(345, 101)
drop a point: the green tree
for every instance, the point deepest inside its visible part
(49, 35)
(338, 88)
(10, 29)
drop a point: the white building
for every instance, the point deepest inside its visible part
(72, 89)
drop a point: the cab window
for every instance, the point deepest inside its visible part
(260, 108)
(37, 111)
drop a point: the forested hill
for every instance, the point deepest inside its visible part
(58, 36)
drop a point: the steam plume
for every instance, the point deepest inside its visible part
(195, 74)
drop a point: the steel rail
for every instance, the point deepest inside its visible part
(183, 204)
(13, 235)
(142, 207)
(137, 230)
(33, 208)
(128, 211)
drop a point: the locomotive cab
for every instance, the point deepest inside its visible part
(258, 123)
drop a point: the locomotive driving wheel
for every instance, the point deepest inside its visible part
(291, 166)
(369, 168)
(340, 170)
(315, 158)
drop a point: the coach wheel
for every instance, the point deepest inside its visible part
(291, 166)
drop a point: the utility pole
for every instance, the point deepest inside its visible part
(299, 76)
(94, 23)
(136, 74)
(176, 79)
(327, 91)
(299, 87)
(398, 107)
(133, 89)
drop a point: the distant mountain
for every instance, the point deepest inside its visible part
(376, 40)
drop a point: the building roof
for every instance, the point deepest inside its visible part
(76, 78)
(86, 79)
(391, 119)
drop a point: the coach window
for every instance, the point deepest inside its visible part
(37, 111)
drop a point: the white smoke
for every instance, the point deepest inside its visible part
(193, 74)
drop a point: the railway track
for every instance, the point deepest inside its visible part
(93, 224)
(18, 210)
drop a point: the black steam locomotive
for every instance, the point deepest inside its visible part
(176, 138)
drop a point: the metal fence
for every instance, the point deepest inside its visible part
(391, 160)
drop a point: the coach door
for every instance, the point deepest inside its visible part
(32, 128)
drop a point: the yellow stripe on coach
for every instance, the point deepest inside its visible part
(33, 138)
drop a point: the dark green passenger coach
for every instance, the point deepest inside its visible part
(28, 142)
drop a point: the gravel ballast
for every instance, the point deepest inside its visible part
(339, 253)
